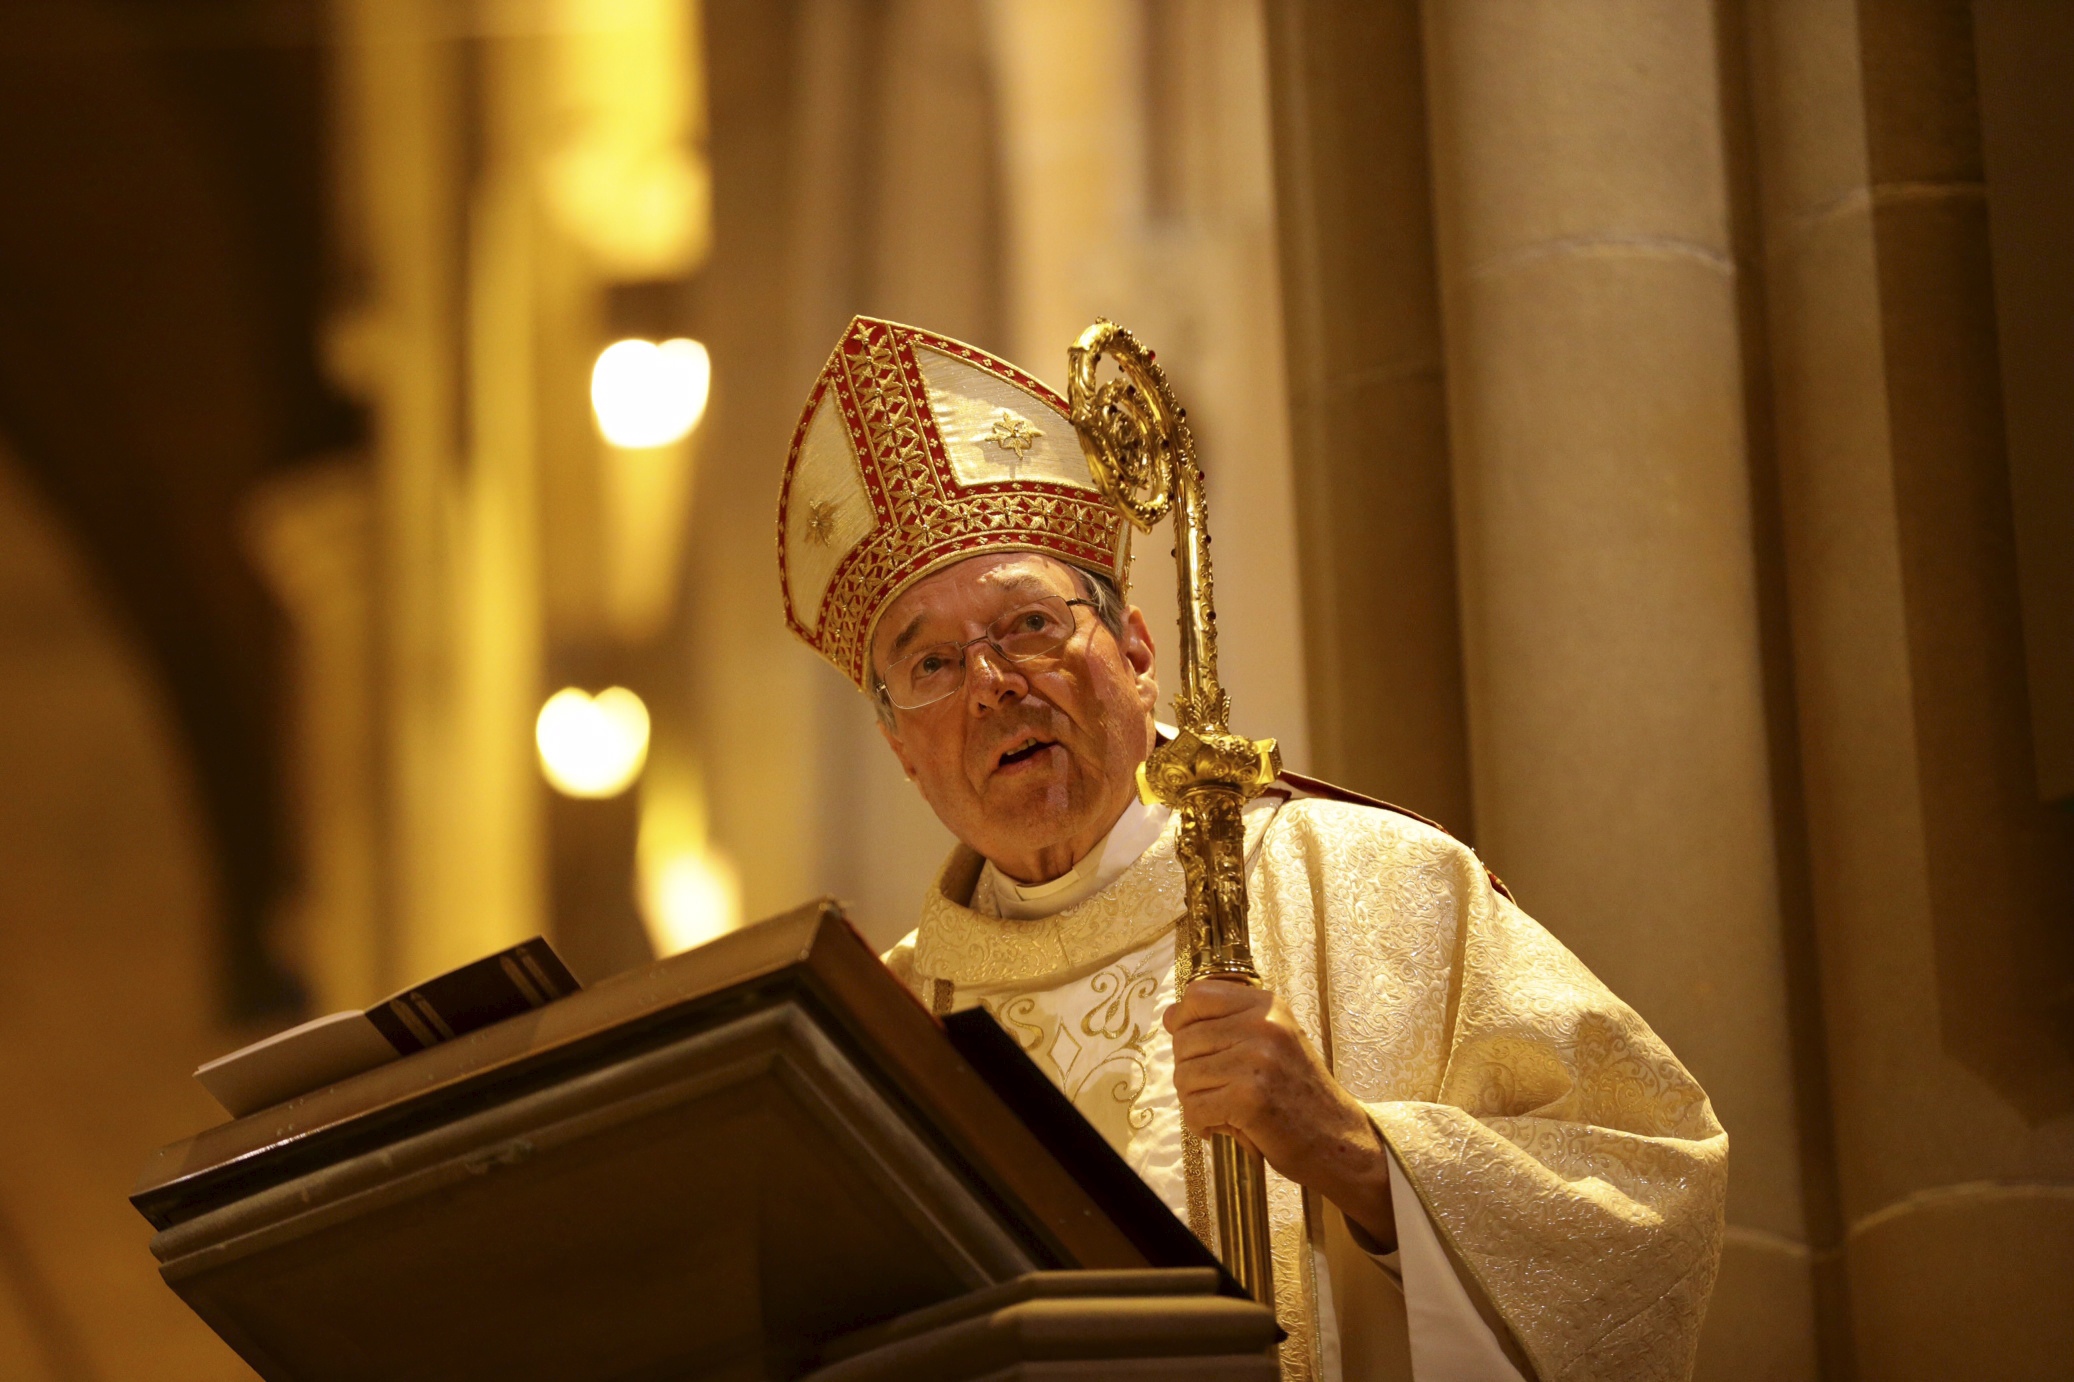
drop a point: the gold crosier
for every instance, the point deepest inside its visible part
(1138, 445)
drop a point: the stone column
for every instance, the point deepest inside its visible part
(456, 609)
(1943, 889)
(894, 213)
(1619, 750)
(1367, 408)
(311, 537)
(754, 684)
(1137, 185)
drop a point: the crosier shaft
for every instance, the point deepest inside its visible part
(1140, 451)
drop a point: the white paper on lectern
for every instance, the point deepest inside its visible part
(320, 1052)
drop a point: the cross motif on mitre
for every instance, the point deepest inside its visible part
(821, 522)
(1012, 433)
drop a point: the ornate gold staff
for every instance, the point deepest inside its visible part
(1137, 442)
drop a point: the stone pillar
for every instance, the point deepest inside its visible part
(895, 213)
(754, 683)
(439, 338)
(1615, 688)
(1137, 185)
(1943, 889)
(1367, 410)
(311, 537)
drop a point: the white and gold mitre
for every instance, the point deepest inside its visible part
(916, 451)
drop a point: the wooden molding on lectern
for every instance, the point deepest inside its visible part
(752, 1160)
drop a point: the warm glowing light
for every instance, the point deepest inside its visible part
(688, 889)
(650, 395)
(626, 175)
(592, 746)
(689, 899)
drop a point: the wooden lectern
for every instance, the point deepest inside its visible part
(758, 1159)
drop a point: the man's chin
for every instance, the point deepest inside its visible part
(1029, 808)
(1032, 809)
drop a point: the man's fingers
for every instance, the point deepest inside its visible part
(1223, 997)
(1218, 1069)
(1195, 1040)
(1206, 1038)
(1209, 999)
(1230, 1090)
(1208, 1112)
(1223, 1110)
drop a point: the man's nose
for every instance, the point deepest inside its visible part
(990, 678)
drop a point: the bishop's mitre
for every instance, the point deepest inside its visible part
(915, 451)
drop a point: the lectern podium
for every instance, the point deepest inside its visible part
(759, 1159)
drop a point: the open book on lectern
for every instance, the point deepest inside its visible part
(327, 1049)
(737, 1153)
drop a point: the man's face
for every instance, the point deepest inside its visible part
(1029, 763)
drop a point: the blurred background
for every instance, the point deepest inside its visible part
(1640, 435)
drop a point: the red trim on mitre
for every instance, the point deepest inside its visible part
(799, 437)
(923, 517)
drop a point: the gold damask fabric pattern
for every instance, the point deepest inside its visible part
(1094, 1035)
(1572, 1165)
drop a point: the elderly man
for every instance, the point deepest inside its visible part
(1483, 1164)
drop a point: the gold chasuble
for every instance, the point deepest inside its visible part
(1573, 1168)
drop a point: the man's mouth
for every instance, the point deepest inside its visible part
(1021, 750)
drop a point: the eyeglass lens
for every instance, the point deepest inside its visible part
(1028, 632)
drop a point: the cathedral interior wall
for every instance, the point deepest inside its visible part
(1631, 441)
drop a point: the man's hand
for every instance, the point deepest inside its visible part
(1242, 1066)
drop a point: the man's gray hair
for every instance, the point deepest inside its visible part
(1101, 592)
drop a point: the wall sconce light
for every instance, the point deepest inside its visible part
(688, 899)
(648, 395)
(592, 746)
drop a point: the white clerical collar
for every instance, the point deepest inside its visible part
(1133, 834)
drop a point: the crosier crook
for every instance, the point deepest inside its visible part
(1138, 445)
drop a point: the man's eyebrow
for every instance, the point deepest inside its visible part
(914, 626)
(1025, 585)
(1017, 585)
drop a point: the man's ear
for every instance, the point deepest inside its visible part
(899, 750)
(1143, 658)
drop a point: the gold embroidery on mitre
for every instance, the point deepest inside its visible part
(1012, 433)
(918, 512)
(821, 522)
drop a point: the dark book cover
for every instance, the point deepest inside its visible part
(529, 975)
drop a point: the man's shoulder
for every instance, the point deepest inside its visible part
(1330, 799)
(1313, 805)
